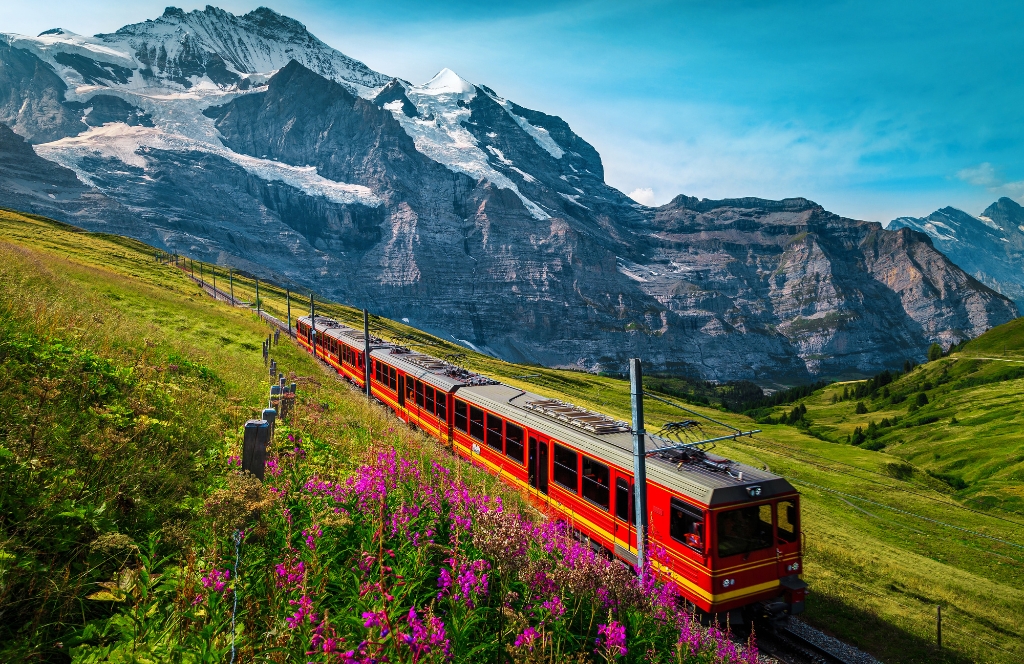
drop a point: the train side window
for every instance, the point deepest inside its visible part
(442, 405)
(513, 442)
(494, 432)
(394, 378)
(460, 416)
(744, 530)
(376, 371)
(686, 524)
(565, 468)
(410, 389)
(786, 520)
(419, 394)
(596, 480)
(428, 398)
(624, 501)
(476, 423)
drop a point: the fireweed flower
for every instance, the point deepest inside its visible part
(611, 640)
(422, 639)
(273, 467)
(291, 573)
(555, 607)
(324, 639)
(311, 535)
(234, 460)
(465, 586)
(216, 580)
(303, 613)
(527, 639)
(379, 619)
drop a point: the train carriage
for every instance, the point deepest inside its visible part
(729, 533)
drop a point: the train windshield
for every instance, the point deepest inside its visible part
(744, 530)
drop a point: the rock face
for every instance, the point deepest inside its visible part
(989, 247)
(247, 141)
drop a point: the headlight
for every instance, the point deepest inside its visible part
(728, 582)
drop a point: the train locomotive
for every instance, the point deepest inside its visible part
(730, 533)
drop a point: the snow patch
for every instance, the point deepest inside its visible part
(574, 199)
(499, 154)
(539, 134)
(121, 142)
(526, 176)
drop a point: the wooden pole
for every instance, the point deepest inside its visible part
(938, 626)
(366, 351)
(636, 397)
(214, 268)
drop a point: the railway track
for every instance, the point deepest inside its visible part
(790, 647)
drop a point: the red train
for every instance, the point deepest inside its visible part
(731, 532)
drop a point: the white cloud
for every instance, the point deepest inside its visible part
(985, 175)
(643, 196)
(982, 175)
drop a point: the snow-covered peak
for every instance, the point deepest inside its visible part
(446, 82)
(182, 49)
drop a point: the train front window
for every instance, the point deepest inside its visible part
(786, 520)
(744, 530)
(686, 524)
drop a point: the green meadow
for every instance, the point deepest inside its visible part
(927, 510)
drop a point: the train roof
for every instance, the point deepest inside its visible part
(707, 478)
(428, 369)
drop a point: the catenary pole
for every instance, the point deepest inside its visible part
(288, 300)
(231, 282)
(636, 397)
(366, 351)
(257, 296)
(312, 318)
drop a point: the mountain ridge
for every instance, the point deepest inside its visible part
(990, 247)
(451, 206)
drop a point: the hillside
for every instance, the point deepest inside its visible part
(882, 550)
(246, 141)
(961, 437)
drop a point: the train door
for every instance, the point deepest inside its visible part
(787, 537)
(625, 518)
(537, 464)
(401, 390)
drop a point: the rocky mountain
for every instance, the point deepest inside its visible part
(246, 140)
(989, 247)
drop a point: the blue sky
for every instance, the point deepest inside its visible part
(873, 109)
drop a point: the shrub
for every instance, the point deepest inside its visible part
(861, 409)
(934, 352)
(954, 481)
(899, 470)
(921, 399)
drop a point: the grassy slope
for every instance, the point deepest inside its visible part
(875, 573)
